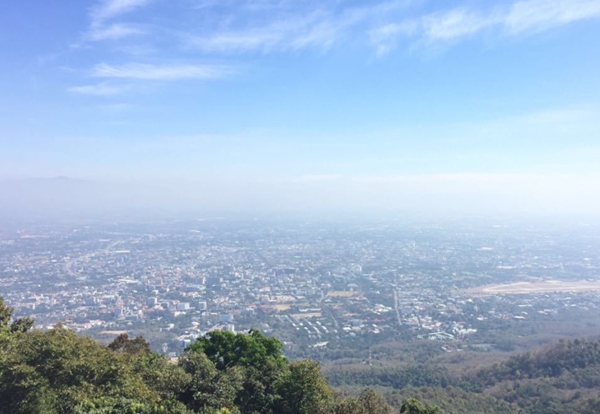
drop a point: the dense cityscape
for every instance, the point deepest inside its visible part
(322, 287)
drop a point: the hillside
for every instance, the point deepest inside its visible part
(558, 378)
(57, 371)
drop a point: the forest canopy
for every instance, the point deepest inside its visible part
(57, 371)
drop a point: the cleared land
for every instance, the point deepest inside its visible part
(299, 316)
(547, 286)
(342, 294)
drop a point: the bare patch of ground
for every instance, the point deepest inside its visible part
(547, 286)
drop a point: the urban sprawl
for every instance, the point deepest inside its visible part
(317, 286)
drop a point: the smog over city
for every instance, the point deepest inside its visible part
(393, 203)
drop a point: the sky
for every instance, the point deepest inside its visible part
(314, 105)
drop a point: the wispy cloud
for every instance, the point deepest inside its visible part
(289, 27)
(244, 4)
(101, 89)
(546, 14)
(321, 26)
(141, 71)
(108, 9)
(453, 25)
(290, 34)
(267, 26)
(384, 38)
(113, 32)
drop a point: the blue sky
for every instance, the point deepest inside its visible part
(489, 98)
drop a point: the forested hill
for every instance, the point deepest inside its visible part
(560, 378)
(563, 377)
(580, 357)
(58, 372)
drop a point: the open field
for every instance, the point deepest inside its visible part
(112, 333)
(342, 294)
(547, 286)
(299, 316)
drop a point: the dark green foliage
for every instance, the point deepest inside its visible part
(226, 349)
(368, 402)
(391, 375)
(258, 393)
(122, 343)
(258, 360)
(552, 361)
(209, 388)
(21, 325)
(8, 329)
(303, 390)
(414, 406)
(166, 378)
(126, 406)
(248, 369)
(55, 371)
(5, 313)
(563, 377)
(450, 400)
(557, 379)
(58, 372)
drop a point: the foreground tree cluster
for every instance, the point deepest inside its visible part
(57, 371)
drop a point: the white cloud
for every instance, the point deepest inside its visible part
(454, 24)
(292, 34)
(238, 41)
(285, 29)
(101, 89)
(255, 5)
(462, 22)
(108, 9)
(384, 38)
(546, 14)
(264, 26)
(113, 32)
(319, 27)
(141, 71)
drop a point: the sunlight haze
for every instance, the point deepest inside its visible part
(284, 106)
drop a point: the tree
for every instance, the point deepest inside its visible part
(56, 371)
(368, 402)
(168, 379)
(259, 359)
(227, 349)
(209, 388)
(414, 406)
(122, 343)
(303, 390)
(18, 326)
